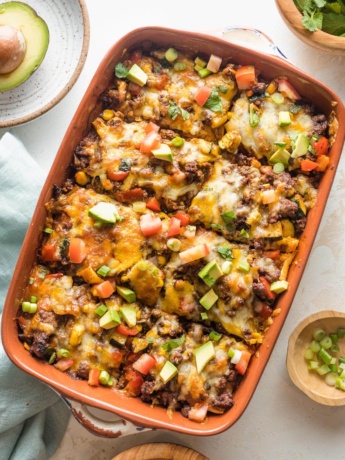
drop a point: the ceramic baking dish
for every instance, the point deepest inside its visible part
(132, 409)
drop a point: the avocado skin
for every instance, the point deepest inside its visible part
(36, 33)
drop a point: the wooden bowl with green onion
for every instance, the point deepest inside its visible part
(318, 39)
(316, 357)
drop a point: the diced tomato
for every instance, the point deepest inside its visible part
(94, 377)
(245, 76)
(54, 275)
(322, 161)
(64, 364)
(150, 225)
(161, 80)
(174, 227)
(131, 357)
(194, 253)
(125, 330)
(183, 217)
(269, 294)
(129, 195)
(263, 310)
(320, 146)
(144, 364)
(202, 94)
(117, 357)
(134, 89)
(198, 412)
(103, 290)
(76, 250)
(153, 204)
(135, 381)
(274, 254)
(288, 90)
(116, 175)
(151, 141)
(308, 165)
(151, 127)
(49, 253)
(242, 365)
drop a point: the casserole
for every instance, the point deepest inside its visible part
(89, 109)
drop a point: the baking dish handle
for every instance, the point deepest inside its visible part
(252, 38)
(99, 427)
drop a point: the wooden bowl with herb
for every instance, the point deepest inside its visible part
(320, 27)
(316, 357)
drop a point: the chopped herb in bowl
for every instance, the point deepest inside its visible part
(325, 15)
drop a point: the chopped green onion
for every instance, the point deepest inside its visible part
(334, 337)
(31, 280)
(171, 55)
(204, 315)
(326, 342)
(341, 332)
(243, 234)
(203, 73)
(280, 144)
(315, 346)
(334, 348)
(29, 307)
(331, 378)
(33, 299)
(110, 382)
(173, 343)
(215, 336)
(308, 354)
(174, 244)
(342, 360)
(103, 271)
(278, 168)
(313, 365)
(63, 353)
(48, 230)
(334, 368)
(101, 310)
(104, 377)
(244, 266)
(200, 62)
(52, 358)
(318, 334)
(231, 353)
(278, 98)
(324, 356)
(179, 66)
(177, 141)
(324, 369)
(142, 265)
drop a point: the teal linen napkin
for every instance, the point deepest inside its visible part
(33, 418)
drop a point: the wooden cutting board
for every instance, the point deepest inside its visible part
(160, 451)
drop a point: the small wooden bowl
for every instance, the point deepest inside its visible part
(160, 451)
(310, 382)
(318, 39)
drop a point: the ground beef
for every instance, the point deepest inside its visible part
(48, 317)
(193, 173)
(234, 378)
(299, 225)
(320, 124)
(169, 400)
(167, 134)
(147, 389)
(259, 244)
(223, 401)
(259, 88)
(40, 343)
(176, 357)
(83, 370)
(259, 289)
(223, 291)
(221, 385)
(268, 174)
(286, 209)
(185, 410)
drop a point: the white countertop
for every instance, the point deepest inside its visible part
(280, 421)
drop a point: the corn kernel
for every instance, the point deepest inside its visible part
(108, 114)
(81, 178)
(76, 334)
(161, 260)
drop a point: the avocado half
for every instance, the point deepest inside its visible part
(36, 33)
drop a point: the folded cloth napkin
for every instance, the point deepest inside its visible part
(33, 417)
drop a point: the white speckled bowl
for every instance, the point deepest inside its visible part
(69, 30)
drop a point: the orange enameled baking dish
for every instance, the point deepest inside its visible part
(133, 409)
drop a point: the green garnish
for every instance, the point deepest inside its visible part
(214, 102)
(125, 165)
(203, 315)
(253, 116)
(177, 141)
(180, 66)
(101, 310)
(222, 89)
(215, 336)
(325, 15)
(173, 343)
(63, 353)
(244, 266)
(243, 234)
(103, 271)
(121, 70)
(52, 358)
(225, 252)
(174, 111)
(48, 230)
(220, 227)
(295, 108)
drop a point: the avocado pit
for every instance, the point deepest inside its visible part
(12, 49)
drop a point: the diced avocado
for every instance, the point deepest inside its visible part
(203, 355)
(137, 75)
(127, 294)
(171, 55)
(168, 372)
(34, 29)
(209, 299)
(110, 319)
(288, 228)
(104, 212)
(301, 146)
(163, 153)
(280, 156)
(203, 73)
(200, 62)
(279, 286)
(284, 118)
(129, 314)
(210, 273)
(118, 340)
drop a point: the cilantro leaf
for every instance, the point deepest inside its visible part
(174, 111)
(225, 252)
(320, 3)
(333, 23)
(220, 227)
(173, 343)
(214, 102)
(222, 89)
(243, 234)
(228, 216)
(121, 70)
(312, 22)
